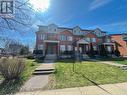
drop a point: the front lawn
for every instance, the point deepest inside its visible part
(11, 87)
(116, 60)
(122, 62)
(85, 74)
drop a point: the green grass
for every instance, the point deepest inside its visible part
(122, 62)
(116, 60)
(13, 86)
(85, 74)
(30, 67)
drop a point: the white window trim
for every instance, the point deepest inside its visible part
(62, 48)
(40, 47)
(70, 38)
(93, 39)
(69, 47)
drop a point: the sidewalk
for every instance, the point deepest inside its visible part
(109, 89)
(113, 63)
(108, 62)
(40, 80)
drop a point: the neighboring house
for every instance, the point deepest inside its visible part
(1, 51)
(121, 40)
(13, 48)
(54, 40)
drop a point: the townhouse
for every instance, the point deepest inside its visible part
(54, 40)
(121, 40)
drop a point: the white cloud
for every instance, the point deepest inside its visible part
(98, 3)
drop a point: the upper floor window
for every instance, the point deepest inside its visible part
(43, 36)
(52, 28)
(88, 39)
(93, 39)
(108, 40)
(69, 38)
(77, 30)
(63, 38)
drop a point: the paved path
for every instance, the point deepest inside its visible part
(109, 89)
(112, 63)
(108, 62)
(38, 82)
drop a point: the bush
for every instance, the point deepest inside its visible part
(36, 52)
(103, 51)
(91, 52)
(117, 53)
(67, 53)
(12, 68)
(30, 57)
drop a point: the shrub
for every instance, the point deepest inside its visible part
(30, 57)
(12, 68)
(91, 52)
(36, 52)
(103, 51)
(117, 52)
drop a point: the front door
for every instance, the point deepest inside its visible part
(51, 48)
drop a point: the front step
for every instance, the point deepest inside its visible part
(37, 70)
(51, 57)
(43, 72)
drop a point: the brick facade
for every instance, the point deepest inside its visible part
(70, 39)
(122, 44)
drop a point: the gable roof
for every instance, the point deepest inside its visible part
(83, 41)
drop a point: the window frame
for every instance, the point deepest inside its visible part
(62, 48)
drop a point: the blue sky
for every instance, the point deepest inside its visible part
(108, 15)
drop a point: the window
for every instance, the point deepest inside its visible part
(62, 47)
(88, 39)
(109, 48)
(93, 39)
(95, 48)
(69, 38)
(43, 37)
(63, 38)
(40, 47)
(69, 48)
(108, 40)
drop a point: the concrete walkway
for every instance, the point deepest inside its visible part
(108, 62)
(38, 82)
(112, 63)
(109, 89)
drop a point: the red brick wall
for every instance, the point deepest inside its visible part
(119, 40)
(67, 33)
(91, 35)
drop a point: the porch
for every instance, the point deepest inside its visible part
(51, 49)
(83, 46)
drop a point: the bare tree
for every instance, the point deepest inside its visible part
(23, 15)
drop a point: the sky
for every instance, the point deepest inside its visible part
(108, 15)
